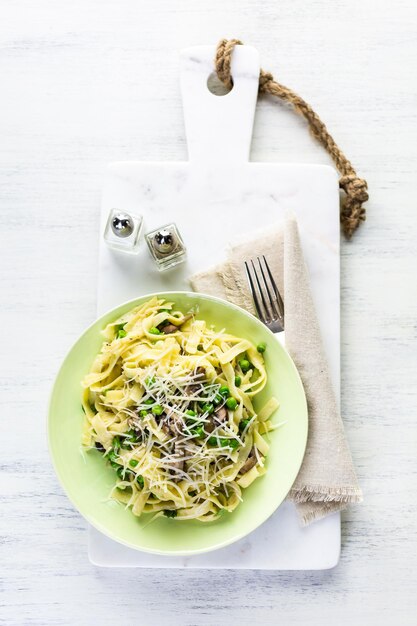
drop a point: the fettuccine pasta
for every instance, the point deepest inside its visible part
(169, 404)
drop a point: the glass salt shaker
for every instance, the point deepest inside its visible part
(166, 247)
(123, 231)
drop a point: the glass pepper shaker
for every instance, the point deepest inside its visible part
(166, 247)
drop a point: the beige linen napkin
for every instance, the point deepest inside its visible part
(326, 481)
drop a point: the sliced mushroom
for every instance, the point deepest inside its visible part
(221, 414)
(166, 428)
(209, 426)
(186, 318)
(175, 424)
(191, 390)
(250, 462)
(169, 328)
(163, 423)
(200, 373)
(167, 424)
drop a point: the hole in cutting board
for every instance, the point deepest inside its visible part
(216, 87)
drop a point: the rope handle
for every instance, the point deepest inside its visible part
(352, 213)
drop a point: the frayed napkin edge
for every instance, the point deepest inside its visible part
(319, 493)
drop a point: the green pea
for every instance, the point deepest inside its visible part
(155, 331)
(244, 365)
(149, 401)
(133, 462)
(130, 437)
(231, 403)
(218, 399)
(224, 391)
(143, 413)
(120, 331)
(140, 481)
(112, 456)
(198, 432)
(261, 347)
(191, 413)
(114, 465)
(92, 408)
(238, 381)
(164, 310)
(207, 408)
(169, 513)
(150, 381)
(243, 424)
(157, 409)
(116, 443)
(121, 472)
(229, 443)
(213, 441)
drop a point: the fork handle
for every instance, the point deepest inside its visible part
(281, 337)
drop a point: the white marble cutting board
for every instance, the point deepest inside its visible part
(214, 197)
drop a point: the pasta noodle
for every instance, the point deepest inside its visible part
(169, 404)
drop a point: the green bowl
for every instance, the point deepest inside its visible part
(88, 481)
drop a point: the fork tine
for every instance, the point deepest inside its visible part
(261, 292)
(275, 288)
(254, 295)
(272, 304)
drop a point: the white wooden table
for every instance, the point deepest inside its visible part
(86, 82)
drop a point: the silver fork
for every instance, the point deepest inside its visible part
(266, 297)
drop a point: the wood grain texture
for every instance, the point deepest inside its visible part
(91, 81)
